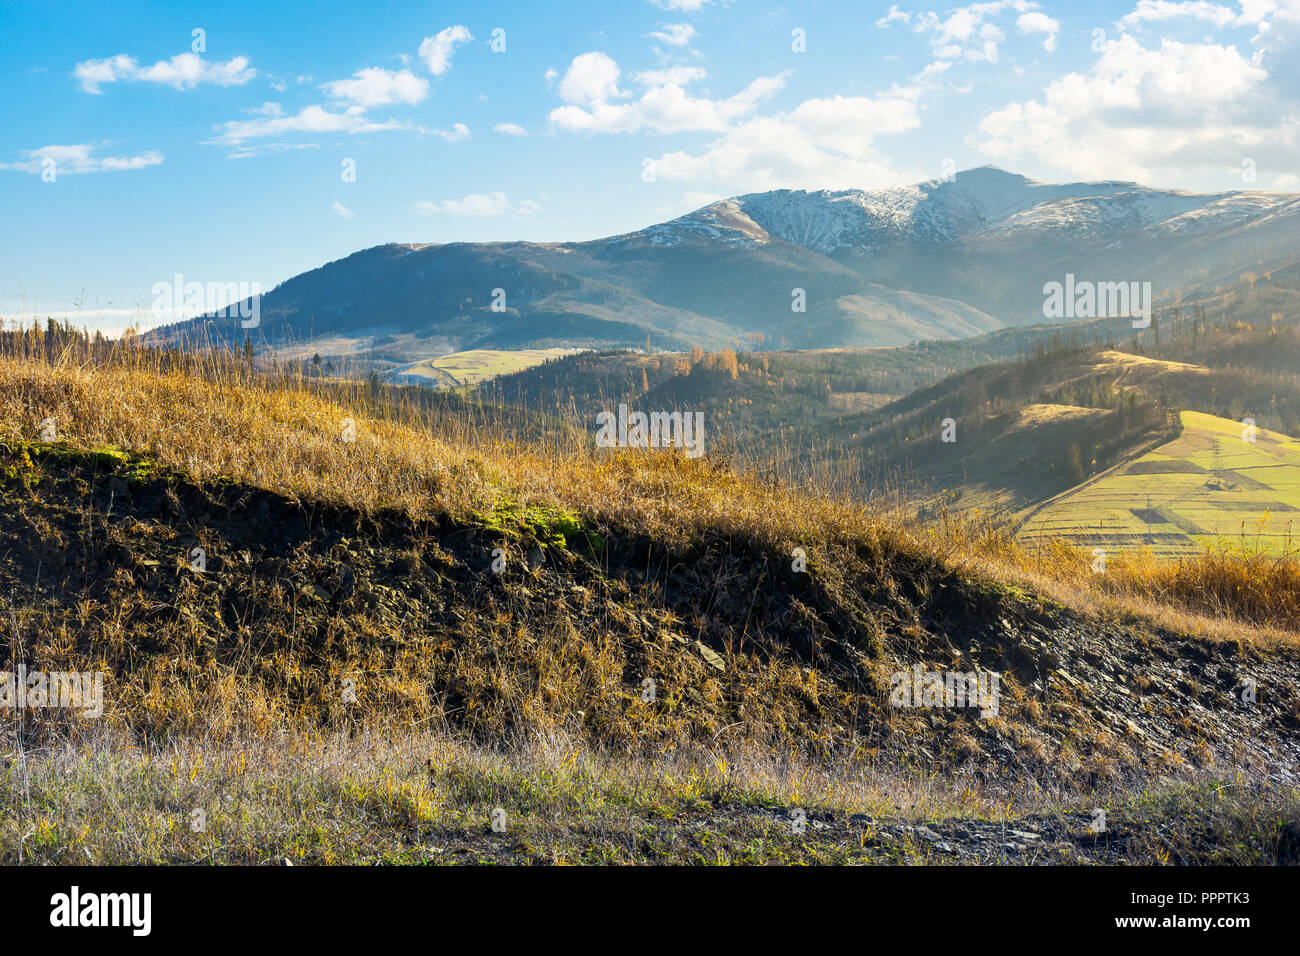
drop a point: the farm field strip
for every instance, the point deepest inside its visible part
(1206, 486)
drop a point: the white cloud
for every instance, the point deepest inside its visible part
(248, 151)
(821, 143)
(1036, 22)
(591, 78)
(118, 163)
(486, 206)
(183, 72)
(270, 121)
(849, 124)
(477, 205)
(893, 15)
(968, 33)
(378, 87)
(687, 6)
(673, 34)
(678, 75)
(458, 132)
(591, 84)
(436, 50)
(80, 158)
(1155, 10)
(342, 210)
(510, 129)
(932, 72)
(368, 87)
(1179, 108)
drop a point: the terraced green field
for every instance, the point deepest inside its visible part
(1209, 485)
(479, 365)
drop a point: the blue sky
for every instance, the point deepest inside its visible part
(128, 157)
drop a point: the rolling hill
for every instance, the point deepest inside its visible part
(394, 637)
(1027, 428)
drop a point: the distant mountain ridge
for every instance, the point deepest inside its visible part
(941, 259)
(979, 202)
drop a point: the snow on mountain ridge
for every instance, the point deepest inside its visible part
(826, 221)
(982, 201)
(719, 220)
(940, 211)
(1102, 215)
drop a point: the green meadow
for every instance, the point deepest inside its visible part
(479, 365)
(1212, 485)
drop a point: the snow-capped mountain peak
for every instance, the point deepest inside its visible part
(985, 200)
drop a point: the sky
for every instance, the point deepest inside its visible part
(246, 142)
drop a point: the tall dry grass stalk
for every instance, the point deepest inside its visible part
(210, 412)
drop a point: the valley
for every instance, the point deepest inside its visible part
(443, 581)
(942, 260)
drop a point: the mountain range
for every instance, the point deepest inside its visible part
(939, 260)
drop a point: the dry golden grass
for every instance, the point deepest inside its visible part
(1212, 594)
(390, 791)
(367, 797)
(215, 419)
(290, 440)
(1226, 582)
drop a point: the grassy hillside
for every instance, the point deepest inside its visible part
(349, 603)
(776, 399)
(1208, 486)
(1004, 436)
(1027, 428)
(781, 388)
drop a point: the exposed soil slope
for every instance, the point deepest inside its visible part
(297, 599)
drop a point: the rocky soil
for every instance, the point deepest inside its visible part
(96, 567)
